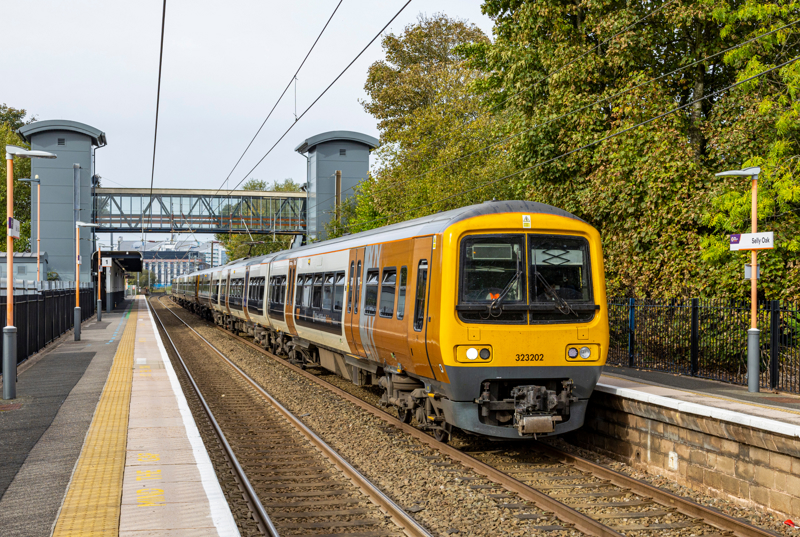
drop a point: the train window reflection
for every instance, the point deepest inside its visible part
(338, 293)
(388, 286)
(371, 292)
(419, 301)
(316, 301)
(327, 292)
(401, 295)
(559, 271)
(493, 278)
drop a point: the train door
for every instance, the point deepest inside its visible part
(354, 292)
(288, 311)
(245, 293)
(226, 288)
(417, 324)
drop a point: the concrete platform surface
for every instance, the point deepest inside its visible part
(777, 413)
(102, 441)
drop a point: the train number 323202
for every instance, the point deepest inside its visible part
(530, 357)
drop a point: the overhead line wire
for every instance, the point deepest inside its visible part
(574, 111)
(294, 76)
(570, 152)
(320, 95)
(155, 133)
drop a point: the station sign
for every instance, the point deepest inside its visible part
(106, 261)
(13, 228)
(753, 241)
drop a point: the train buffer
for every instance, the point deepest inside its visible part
(100, 440)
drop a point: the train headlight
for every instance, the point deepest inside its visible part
(485, 354)
(472, 353)
(572, 352)
(586, 352)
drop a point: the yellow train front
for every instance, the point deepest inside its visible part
(522, 321)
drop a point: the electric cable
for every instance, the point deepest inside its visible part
(320, 96)
(284, 90)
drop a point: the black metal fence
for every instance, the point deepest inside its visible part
(42, 315)
(707, 339)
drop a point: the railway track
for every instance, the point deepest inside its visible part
(569, 490)
(293, 482)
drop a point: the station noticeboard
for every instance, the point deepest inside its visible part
(13, 228)
(753, 241)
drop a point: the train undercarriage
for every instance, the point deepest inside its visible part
(529, 409)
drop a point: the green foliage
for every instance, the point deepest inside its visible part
(10, 120)
(145, 278)
(650, 191)
(241, 245)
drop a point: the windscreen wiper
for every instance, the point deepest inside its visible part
(560, 304)
(495, 308)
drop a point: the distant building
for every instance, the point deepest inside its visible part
(169, 259)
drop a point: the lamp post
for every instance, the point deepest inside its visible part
(99, 282)
(753, 358)
(77, 318)
(38, 220)
(10, 331)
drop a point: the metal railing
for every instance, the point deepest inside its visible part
(706, 338)
(44, 311)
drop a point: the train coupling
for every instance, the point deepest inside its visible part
(538, 410)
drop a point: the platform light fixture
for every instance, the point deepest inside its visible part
(10, 331)
(38, 220)
(753, 358)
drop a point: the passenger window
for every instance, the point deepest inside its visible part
(338, 292)
(401, 293)
(350, 288)
(299, 295)
(283, 290)
(388, 285)
(371, 292)
(419, 302)
(358, 284)
(317, 298)
(327, 292)
(307, 291)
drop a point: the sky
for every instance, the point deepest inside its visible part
(224, 66)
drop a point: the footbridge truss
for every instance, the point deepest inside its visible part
(199, 211)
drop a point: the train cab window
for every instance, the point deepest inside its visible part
(401, 293)
(493, 279)
(338, 292)
(388, 287)
(419, 300)
(350, 287)
(327, 292)
(559, 279)
(316, 299)
(371, 291)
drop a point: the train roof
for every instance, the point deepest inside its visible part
(426, 225)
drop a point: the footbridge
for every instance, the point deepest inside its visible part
(167, 210)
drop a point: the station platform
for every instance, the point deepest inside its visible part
(101, 441)
(766, 410)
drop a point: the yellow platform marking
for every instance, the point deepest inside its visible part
(92, 505)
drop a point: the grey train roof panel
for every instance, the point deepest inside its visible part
(98, 137)
(352, 136)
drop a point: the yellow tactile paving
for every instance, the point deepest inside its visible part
(92, 504)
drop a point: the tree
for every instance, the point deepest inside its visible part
(145, 278)
(573, 77)
(241, 245)
(12, 119)
(432, 128)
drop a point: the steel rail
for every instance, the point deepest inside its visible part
(685, 506)
(563, 512)
(409, 525)
(259, 513)
(688, 507)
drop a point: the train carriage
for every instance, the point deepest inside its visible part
(490, 318)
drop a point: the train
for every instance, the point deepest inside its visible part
(490, 318)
